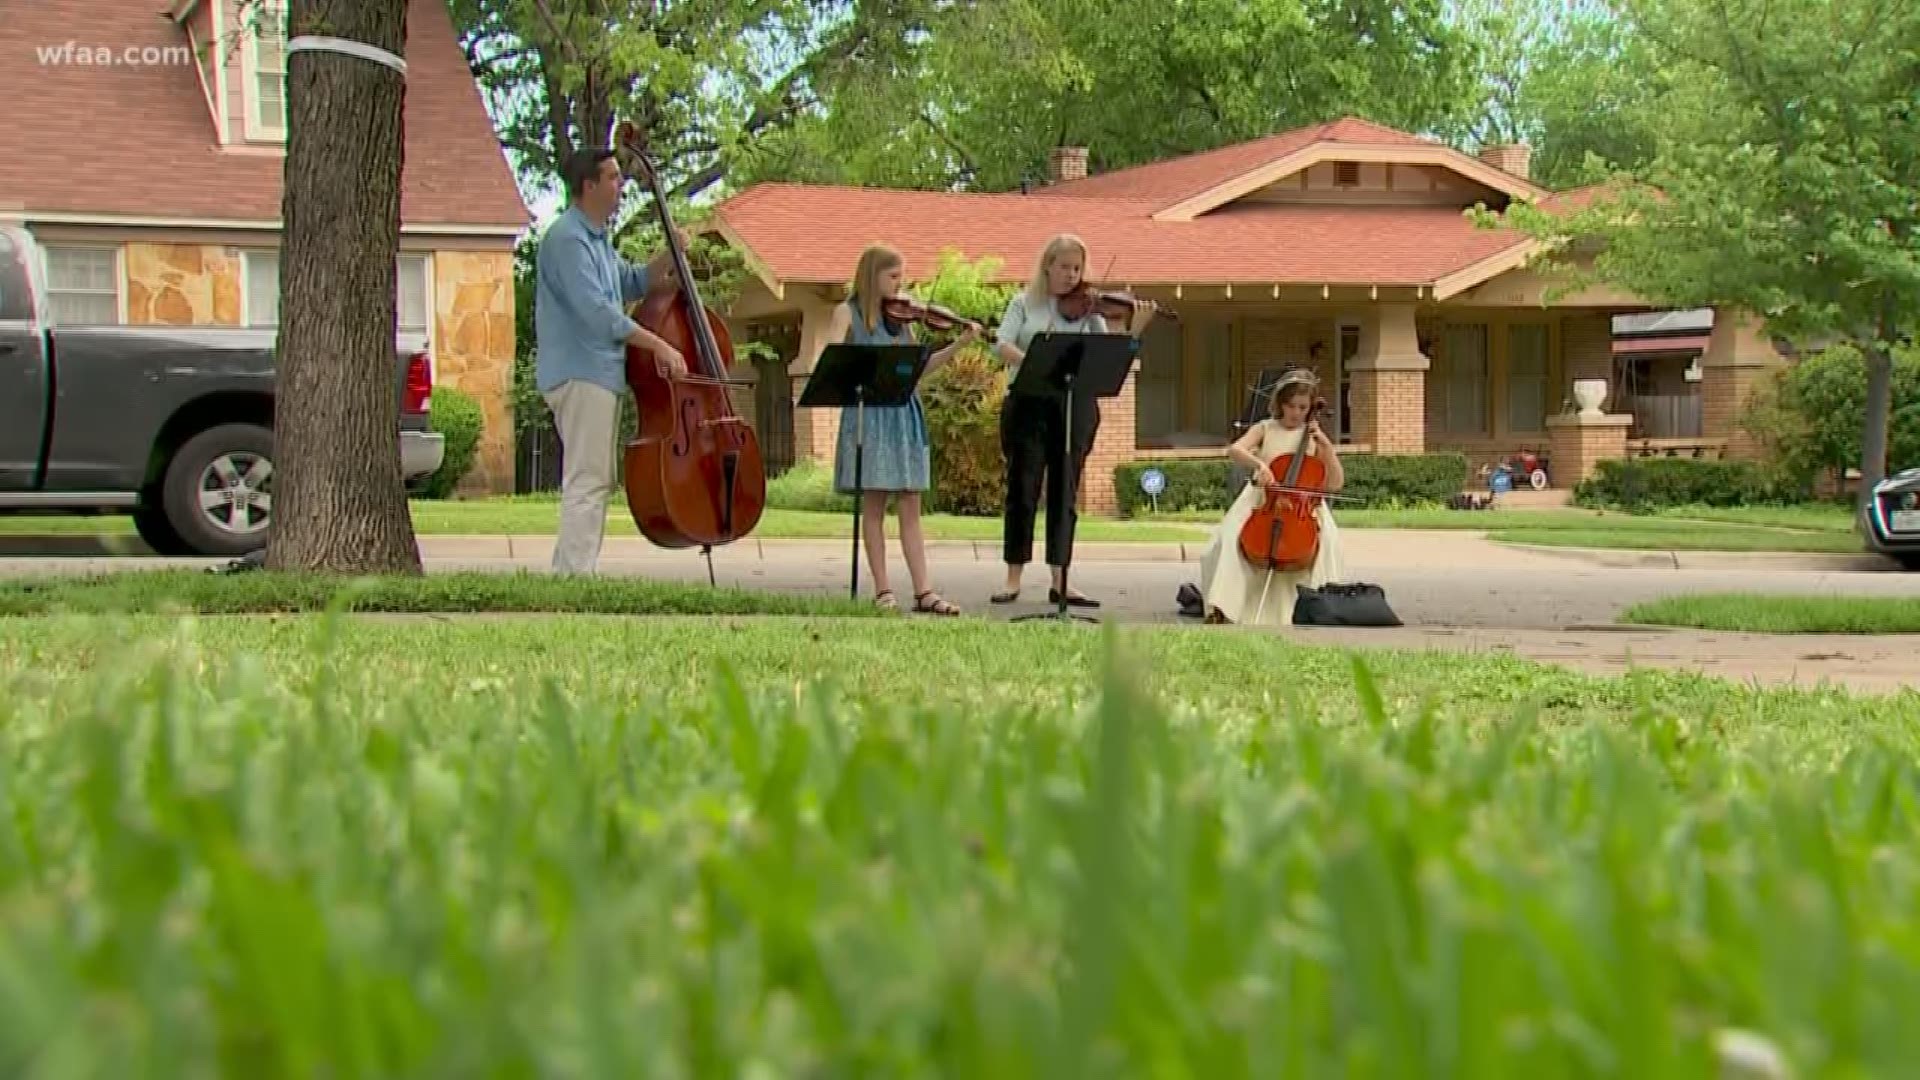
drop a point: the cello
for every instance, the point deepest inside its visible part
(1282, 533)
(694, 475)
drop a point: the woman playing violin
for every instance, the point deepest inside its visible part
(897, 460)
(1032, 430)
(1234, 590)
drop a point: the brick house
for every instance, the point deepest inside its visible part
(145, 151)
(1341, 246)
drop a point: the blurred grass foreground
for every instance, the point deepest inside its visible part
(313, 847)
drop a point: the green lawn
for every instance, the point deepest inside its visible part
(264, 591)
(1819, 529)
(1749, 613)
(798, 846)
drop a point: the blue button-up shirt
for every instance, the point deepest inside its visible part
(581, 290)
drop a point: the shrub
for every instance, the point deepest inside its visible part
(1658, 483)
(1404, 479)
(1807, 415)
(962, 402)
(962, 399)
(457, 416)
(808, 485)
(1374, 479)
(1192, 484)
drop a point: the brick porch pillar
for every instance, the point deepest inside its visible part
(1738, 359)
(815, 431)
(1113, 445)
(1581, 442)
(1390, 383)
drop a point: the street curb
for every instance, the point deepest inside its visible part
(1642, 559)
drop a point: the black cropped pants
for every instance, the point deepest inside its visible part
(1033, 439)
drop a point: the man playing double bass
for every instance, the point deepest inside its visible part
(582, 288)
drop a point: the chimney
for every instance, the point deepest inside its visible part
(1067, 163)
(1513, 158)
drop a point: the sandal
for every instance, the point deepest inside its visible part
(885, 599)
(1005, 597)
(938, 606)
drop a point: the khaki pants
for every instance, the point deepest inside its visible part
(585, 416)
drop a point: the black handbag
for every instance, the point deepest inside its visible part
(1358, 604)
(1190, 600)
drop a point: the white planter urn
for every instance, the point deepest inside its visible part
(1589, 394)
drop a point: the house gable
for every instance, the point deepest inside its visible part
(1361, 174)
(193, 163)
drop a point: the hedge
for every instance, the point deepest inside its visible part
(1213, 483)
(1656, 483)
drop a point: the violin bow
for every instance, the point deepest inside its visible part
(1320, 492)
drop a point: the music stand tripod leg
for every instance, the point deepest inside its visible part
(859, 481)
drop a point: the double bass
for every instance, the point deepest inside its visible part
(695, 476)
(1282, 533)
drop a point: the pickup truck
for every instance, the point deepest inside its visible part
(171, 424)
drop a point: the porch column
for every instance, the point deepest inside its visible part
(1113, 445)
(815, 431)
(1390, 383)
(1739, 357)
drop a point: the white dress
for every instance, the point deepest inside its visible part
(1263, 597)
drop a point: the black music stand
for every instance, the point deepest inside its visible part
(1073, 368)
(854, 377)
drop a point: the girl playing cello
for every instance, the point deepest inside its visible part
(1234, 591)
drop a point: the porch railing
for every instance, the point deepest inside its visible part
(1690, 448)
(1665, 416)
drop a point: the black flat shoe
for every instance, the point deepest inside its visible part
(1053, 597)
(1005, 597)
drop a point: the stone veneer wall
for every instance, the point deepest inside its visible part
(473, 352)
(183, 285)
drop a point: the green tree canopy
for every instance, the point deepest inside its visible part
(1784, 176)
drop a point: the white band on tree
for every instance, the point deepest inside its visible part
(313, 43)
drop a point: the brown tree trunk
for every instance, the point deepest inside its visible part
(340, 499)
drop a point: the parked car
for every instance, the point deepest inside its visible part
(1893, 518)
(172, 424)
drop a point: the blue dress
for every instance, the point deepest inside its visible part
(898, 453)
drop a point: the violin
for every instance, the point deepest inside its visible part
(694, 473)
(904, 309)
(1283, 534)
(1111, 304)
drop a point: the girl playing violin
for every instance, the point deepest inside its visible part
(1234, 590)
(1032, 430)
(897, 460)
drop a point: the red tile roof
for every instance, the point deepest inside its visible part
(140, 140)
(814, 233)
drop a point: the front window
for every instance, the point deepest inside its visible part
(412, 311)
(83, 285)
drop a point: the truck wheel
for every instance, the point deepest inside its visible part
(150, 521)
(218, 490)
